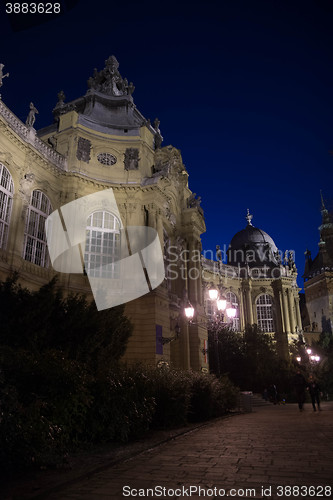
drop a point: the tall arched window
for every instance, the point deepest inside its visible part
(265, 313)
(35, 249)
(102, 245)
(233, 301)
(6, 200)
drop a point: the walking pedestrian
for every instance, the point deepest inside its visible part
(300, 387)
(314, 390)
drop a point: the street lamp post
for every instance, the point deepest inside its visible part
(309, 358)
(224, 314)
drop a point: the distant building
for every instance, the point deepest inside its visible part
(260, 283)
(318, 281)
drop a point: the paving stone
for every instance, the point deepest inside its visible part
(275, 445)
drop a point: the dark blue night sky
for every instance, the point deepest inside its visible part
(243, 88)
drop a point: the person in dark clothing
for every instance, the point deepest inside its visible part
(272, 393)
(314, 391)
(300, 386)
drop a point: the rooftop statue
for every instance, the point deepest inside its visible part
(158, 135)
(2, 76)
(31, 116)
(109, 81)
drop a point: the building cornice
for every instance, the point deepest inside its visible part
(28, 134)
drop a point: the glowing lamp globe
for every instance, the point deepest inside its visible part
(189, 311)
(231, 312)
(213, 293)
(221, 304)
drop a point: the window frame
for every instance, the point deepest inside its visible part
(97, 238)
(6, 203)
(34, 232)
(265, 313)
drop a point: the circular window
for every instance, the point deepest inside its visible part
(106, 159)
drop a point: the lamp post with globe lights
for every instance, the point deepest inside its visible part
(222, 317)
(309, 359)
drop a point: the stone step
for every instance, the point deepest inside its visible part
(258, 400)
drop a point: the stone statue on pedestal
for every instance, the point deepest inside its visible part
(31, 116)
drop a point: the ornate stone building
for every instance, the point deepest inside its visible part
(101, 141)
(318, 281)
(259, 283)
(96, 142)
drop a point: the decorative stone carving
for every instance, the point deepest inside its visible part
(31, 116)
(180, 245)
(52, 141)
(83, 149)
(29, 177)
(168, 157)
(158, 136)
(129, 86)
(131, 159)
(170, 216)
(106, 159)
(193, 202)
(26, 183)
(109, 81)
(277, 257)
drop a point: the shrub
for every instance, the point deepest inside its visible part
(122, 407)
(171, 392)
(210, 396)
(44, 400)
(61, 384)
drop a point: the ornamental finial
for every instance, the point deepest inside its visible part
(249, 217)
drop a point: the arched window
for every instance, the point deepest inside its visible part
(102, 245)
(6, 200)
(265, 313)
(233, 301)
(35, 249)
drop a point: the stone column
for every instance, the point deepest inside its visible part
(285, 311)
(152, 222)
(241, 310)
(192, 272)
(283, 323)
(159, 227)
(278, 311)
(298, 314)
(291, 311)
(198, 272)
(249, 310)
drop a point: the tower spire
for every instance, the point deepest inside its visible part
(322, 201)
